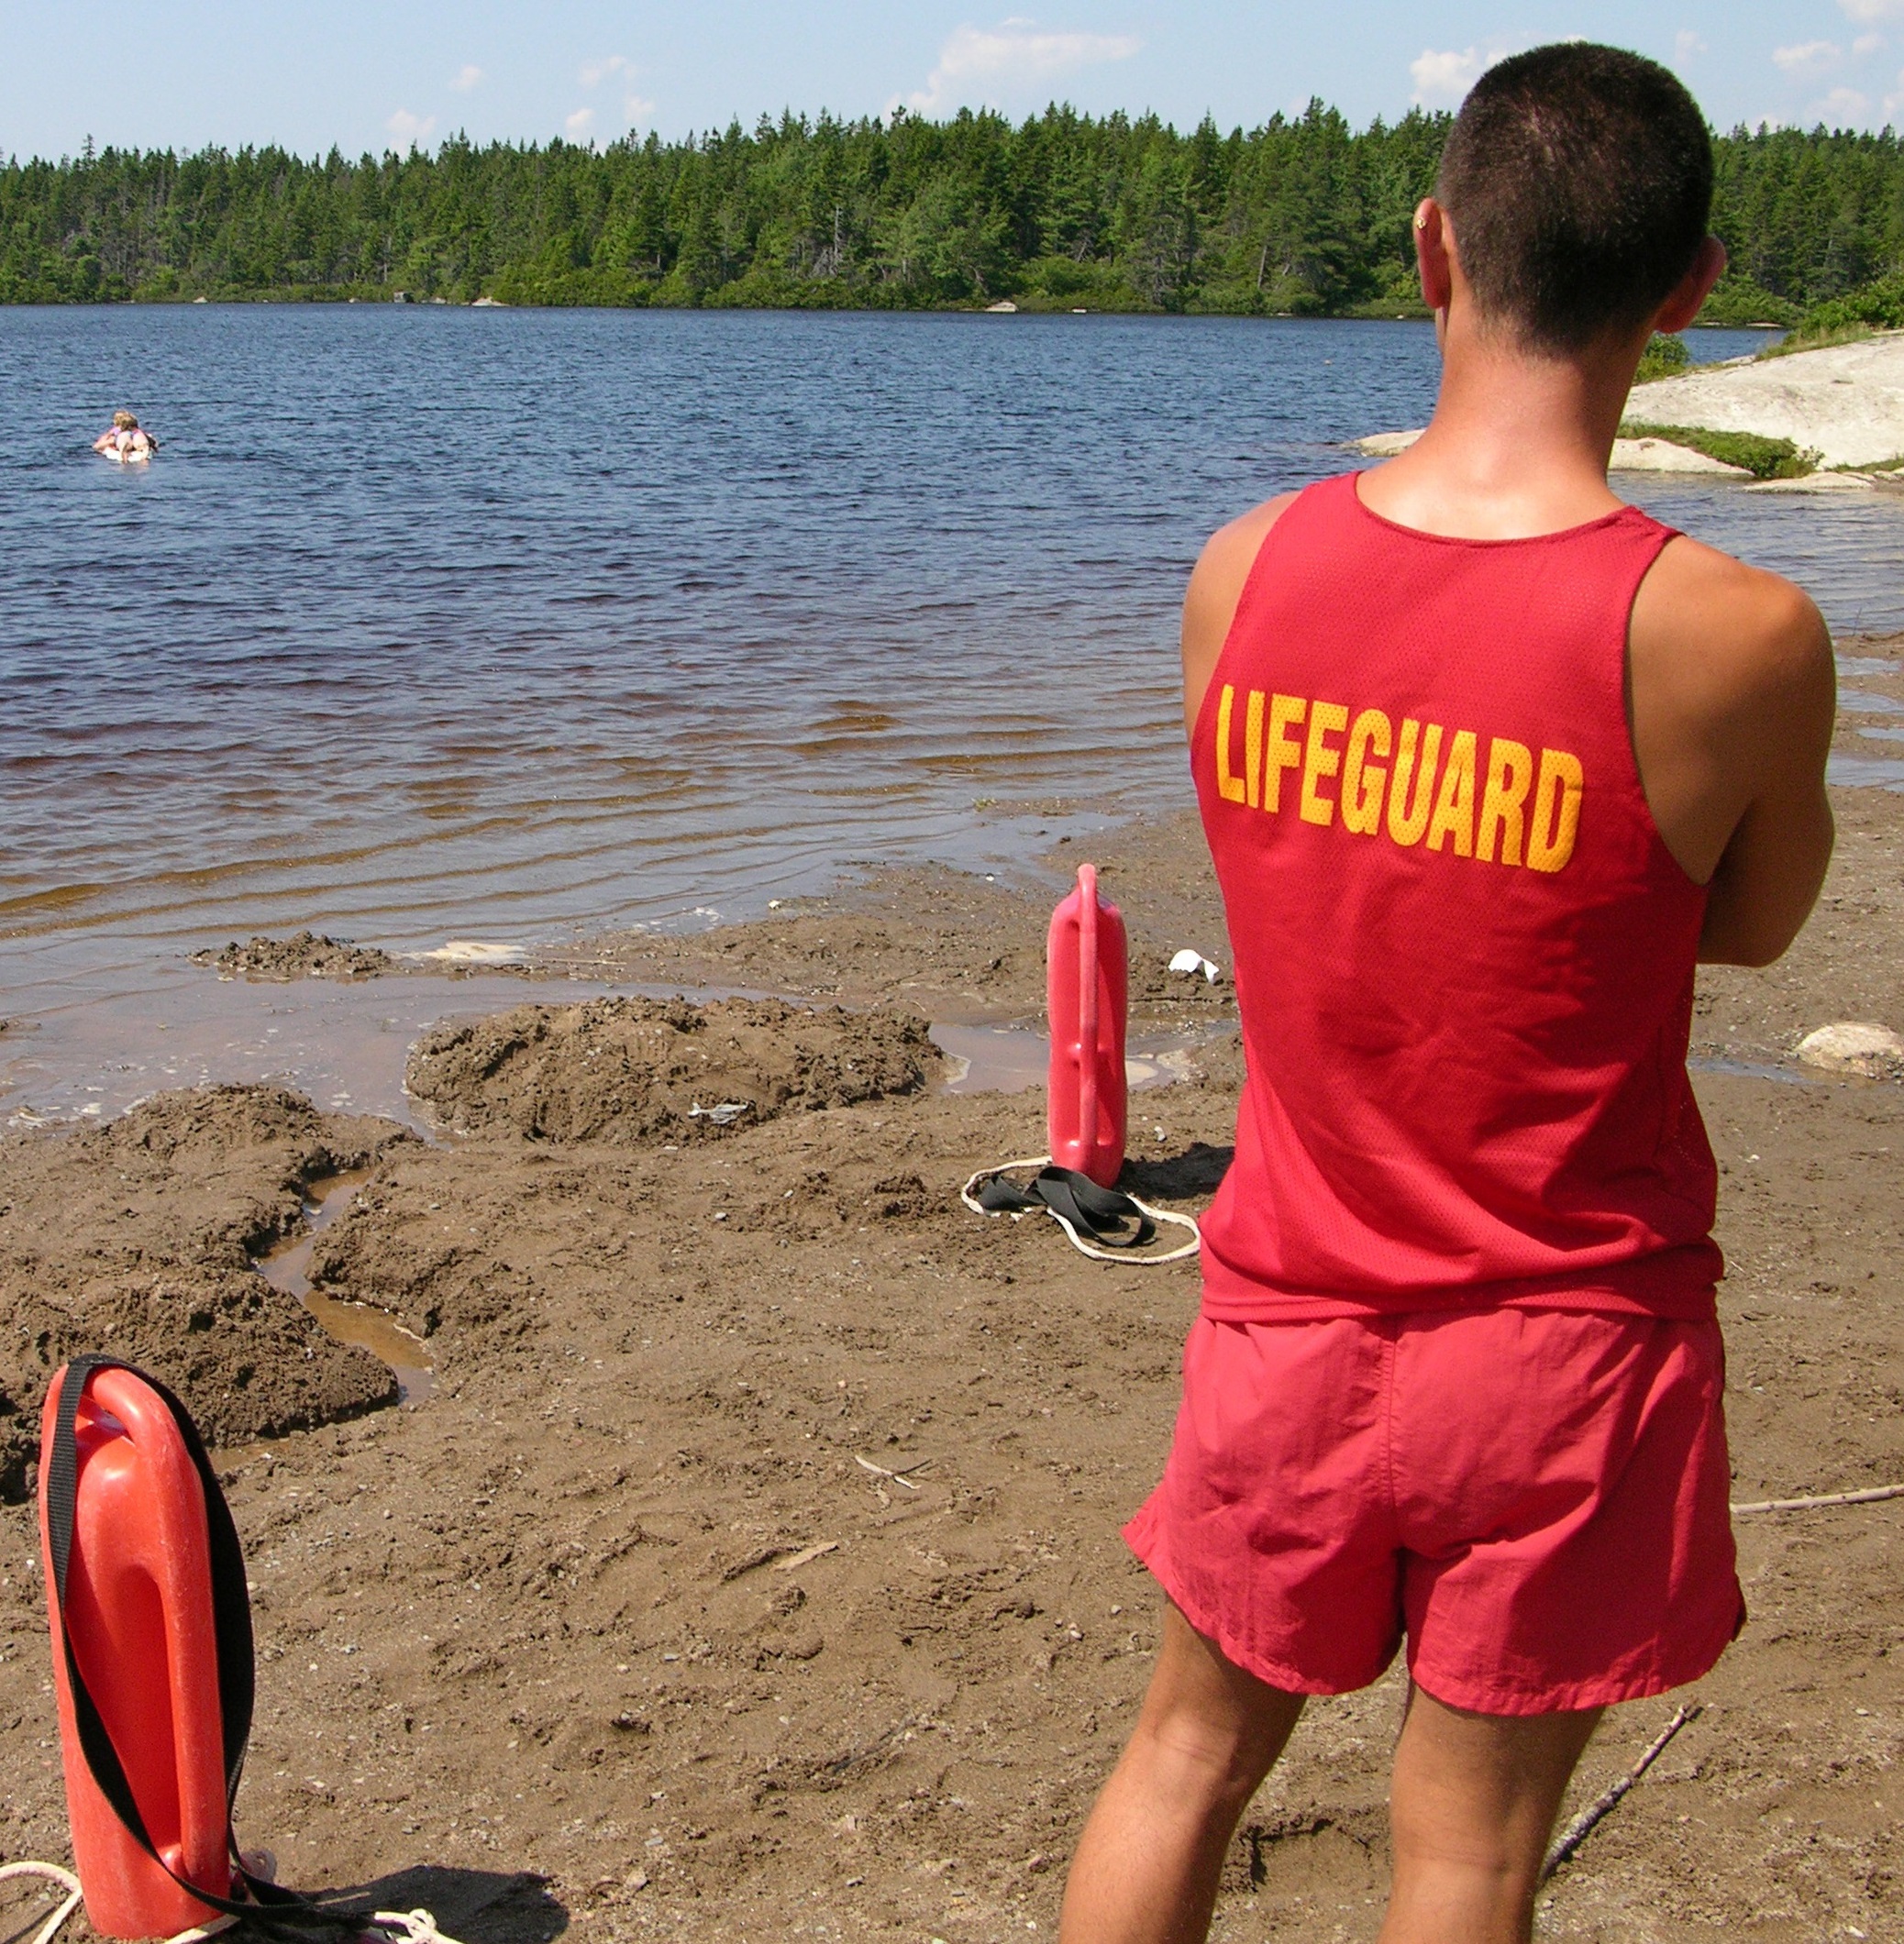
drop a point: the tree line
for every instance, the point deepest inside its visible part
(1302, 215)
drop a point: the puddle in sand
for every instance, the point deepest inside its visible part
(1749, 1070)
(70, 1053)
(1010, 1059)
(287, 1268)
(1865, 772)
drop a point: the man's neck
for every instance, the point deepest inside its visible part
(1518, 445)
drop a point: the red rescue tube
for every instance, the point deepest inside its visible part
(1087, 970)
(139, 1615)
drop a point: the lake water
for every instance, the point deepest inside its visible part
(432, 623)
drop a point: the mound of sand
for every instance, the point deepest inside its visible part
(137, 1238)
(304, 956)
(641, 1071)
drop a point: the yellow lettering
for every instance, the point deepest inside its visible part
(1319, 760)
(1253, 748)
(1510, 773)
(1363, 781)
(1454, 806)
(1406, 821)
(1557, 811)
(1286, 711)
(1229, 788)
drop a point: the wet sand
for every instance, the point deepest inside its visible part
(751, 1569)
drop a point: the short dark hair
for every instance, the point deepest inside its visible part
(1578, 179)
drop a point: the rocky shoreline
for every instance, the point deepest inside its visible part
(1841, 403)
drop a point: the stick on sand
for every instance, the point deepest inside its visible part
(1829, 1498)
(1581, 1826)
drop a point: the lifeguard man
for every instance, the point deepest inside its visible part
(1487, 761)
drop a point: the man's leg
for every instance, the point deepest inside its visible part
(1147, 1868)
(1472, 1805)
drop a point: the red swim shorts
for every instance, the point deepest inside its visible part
(1535, 1499)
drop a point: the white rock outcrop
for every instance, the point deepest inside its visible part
(1846, 401)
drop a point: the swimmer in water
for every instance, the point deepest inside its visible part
(126, 440)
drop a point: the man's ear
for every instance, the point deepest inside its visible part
(1695, 287)
(1434, 241)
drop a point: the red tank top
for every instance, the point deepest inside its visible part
(1464, 956)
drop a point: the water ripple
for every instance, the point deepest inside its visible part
(504, 623)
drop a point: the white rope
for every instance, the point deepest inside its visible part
(418, 1926)
(53, 1873)
(401, 1926)
(1084, 1248)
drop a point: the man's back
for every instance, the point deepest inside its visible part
(1731, 691)
(1463, 954)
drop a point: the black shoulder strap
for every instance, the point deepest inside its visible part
(270, 1903)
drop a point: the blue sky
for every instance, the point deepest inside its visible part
(368, 74)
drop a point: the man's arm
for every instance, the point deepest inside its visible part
(1733, 698)
(1215, 588)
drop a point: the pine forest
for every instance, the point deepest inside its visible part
(1302, 215)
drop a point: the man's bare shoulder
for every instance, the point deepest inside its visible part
(1713, 631)
(1215, 587)
(1231, 551)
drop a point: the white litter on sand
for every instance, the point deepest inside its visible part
(1192, 961)
(476, 952)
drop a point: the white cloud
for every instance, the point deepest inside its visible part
(638, 108)
(1843, 105)
(1686, 44)
(594, 72)
(411, 128)
(1443, 77)
(1807, 57)
(1866, 44)
(467, 78)
(985, 61)
(1868, 10)
(579, 123)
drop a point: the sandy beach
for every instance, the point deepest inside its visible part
(746, 1564)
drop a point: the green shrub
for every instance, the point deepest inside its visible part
(1765, 459)
(1877, 307)
(1663, 358)
(1736, 299)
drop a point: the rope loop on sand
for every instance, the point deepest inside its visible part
(53, 1873)
(382, 1927)
(1074, 1215)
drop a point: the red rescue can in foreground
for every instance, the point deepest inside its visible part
(139, 1618)
(1087, 970)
